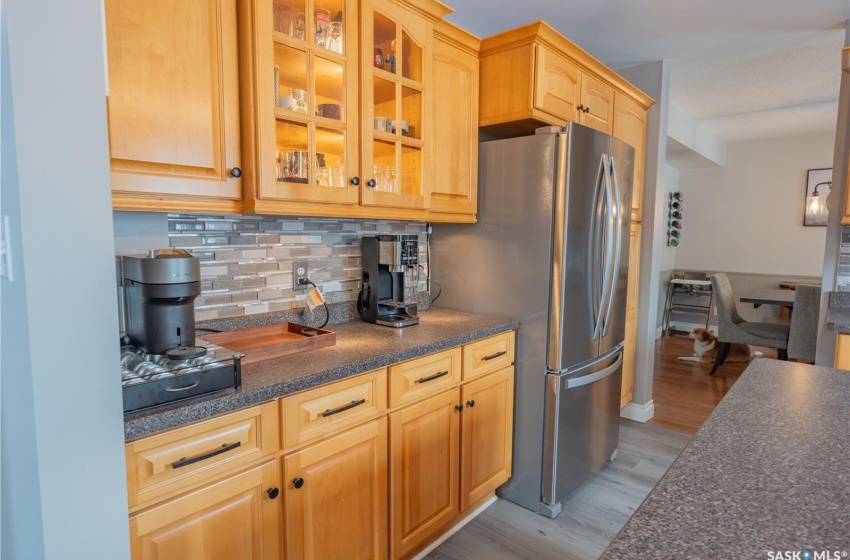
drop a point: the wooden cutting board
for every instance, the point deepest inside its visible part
(271, 341)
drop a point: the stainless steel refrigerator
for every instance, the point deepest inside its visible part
(551, 249)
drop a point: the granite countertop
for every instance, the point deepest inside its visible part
(838, 314)
(767, 472)
(360, 347)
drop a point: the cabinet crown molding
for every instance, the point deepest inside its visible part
(457, 37)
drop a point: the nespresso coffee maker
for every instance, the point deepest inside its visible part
(159, 294)
(390, 279)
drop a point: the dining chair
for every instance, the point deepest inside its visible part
(732, 328)
(803, 337)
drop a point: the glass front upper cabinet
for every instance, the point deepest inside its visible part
(394, 99)
(310, 93)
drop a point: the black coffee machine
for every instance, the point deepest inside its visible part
(390, 280)
(159, 295)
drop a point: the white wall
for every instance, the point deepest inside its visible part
(654, 79)
(64, 490)
(667, 254)
(748, 216)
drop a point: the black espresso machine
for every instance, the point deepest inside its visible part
(161, 359)
(390, 280)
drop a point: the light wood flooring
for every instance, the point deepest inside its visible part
(590, 518)
(683, 392)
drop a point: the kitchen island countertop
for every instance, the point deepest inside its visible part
(766, 473)
(360, 347)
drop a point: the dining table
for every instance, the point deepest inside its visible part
(769, 296)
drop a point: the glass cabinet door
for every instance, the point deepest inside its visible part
(309, 94)
(394, 45)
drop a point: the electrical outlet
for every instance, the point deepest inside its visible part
(299, 270)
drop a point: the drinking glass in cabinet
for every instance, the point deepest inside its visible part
(333, 42)
(288, 18)
(321, 22)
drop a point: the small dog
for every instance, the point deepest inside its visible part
(705, 350)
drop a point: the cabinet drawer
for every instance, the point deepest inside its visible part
(419, 378)
(488, 355)
(327, 409)
(174, 462)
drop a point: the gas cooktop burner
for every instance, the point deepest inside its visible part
(186, 352)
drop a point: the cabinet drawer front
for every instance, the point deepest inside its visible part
(168, 464)
(322, 411)
(488, 355)
(416, 379)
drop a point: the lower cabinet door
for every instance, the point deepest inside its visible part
(238, 517)
(488, 418)
(424, 492)
(336, 497)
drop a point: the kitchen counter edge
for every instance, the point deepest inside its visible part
(376, 347)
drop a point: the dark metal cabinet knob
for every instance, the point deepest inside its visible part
(355, 181)
(236, 172)
(458, 408)
(298, 482)
(371, 183)
(273, 493)
(470, 404)
(580, 108)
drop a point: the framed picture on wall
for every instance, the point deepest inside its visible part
(818, 183)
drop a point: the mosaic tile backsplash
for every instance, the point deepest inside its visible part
(246, 261)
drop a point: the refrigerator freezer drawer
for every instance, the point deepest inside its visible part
(582, 426)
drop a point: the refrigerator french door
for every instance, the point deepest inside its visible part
(551, 249)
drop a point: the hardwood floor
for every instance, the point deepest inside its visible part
(684, 393)
(590, 518)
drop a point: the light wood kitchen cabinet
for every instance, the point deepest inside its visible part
(368, 154)
(455, 92)
(628, 384)
(173, 105)
(436, 476)
(237, 517)
(597, 104)
(487, 450)
(533, 76)
(173, 462)
(630, 127)
(424, 469)
(415, 379)
(336, 496)
(842, 351)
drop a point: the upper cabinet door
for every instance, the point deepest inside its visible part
(558, 86)
(630, 127)
(597, 98)
(396, 70)
(454, 187)
(306, 97)
(173, 100)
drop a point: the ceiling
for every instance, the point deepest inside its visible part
(744, 68)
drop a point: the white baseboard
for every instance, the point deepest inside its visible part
(659, 332)
(455, 529)
(638, 412)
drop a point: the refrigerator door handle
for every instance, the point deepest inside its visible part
(596, 299)
(617, 224)
(609, 241)
(594, 377)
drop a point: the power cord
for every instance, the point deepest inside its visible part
(302, 281)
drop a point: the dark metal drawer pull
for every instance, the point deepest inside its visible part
(433, 377)
(223, 449)
(343, 408)
(494, 356)
(186, 388)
